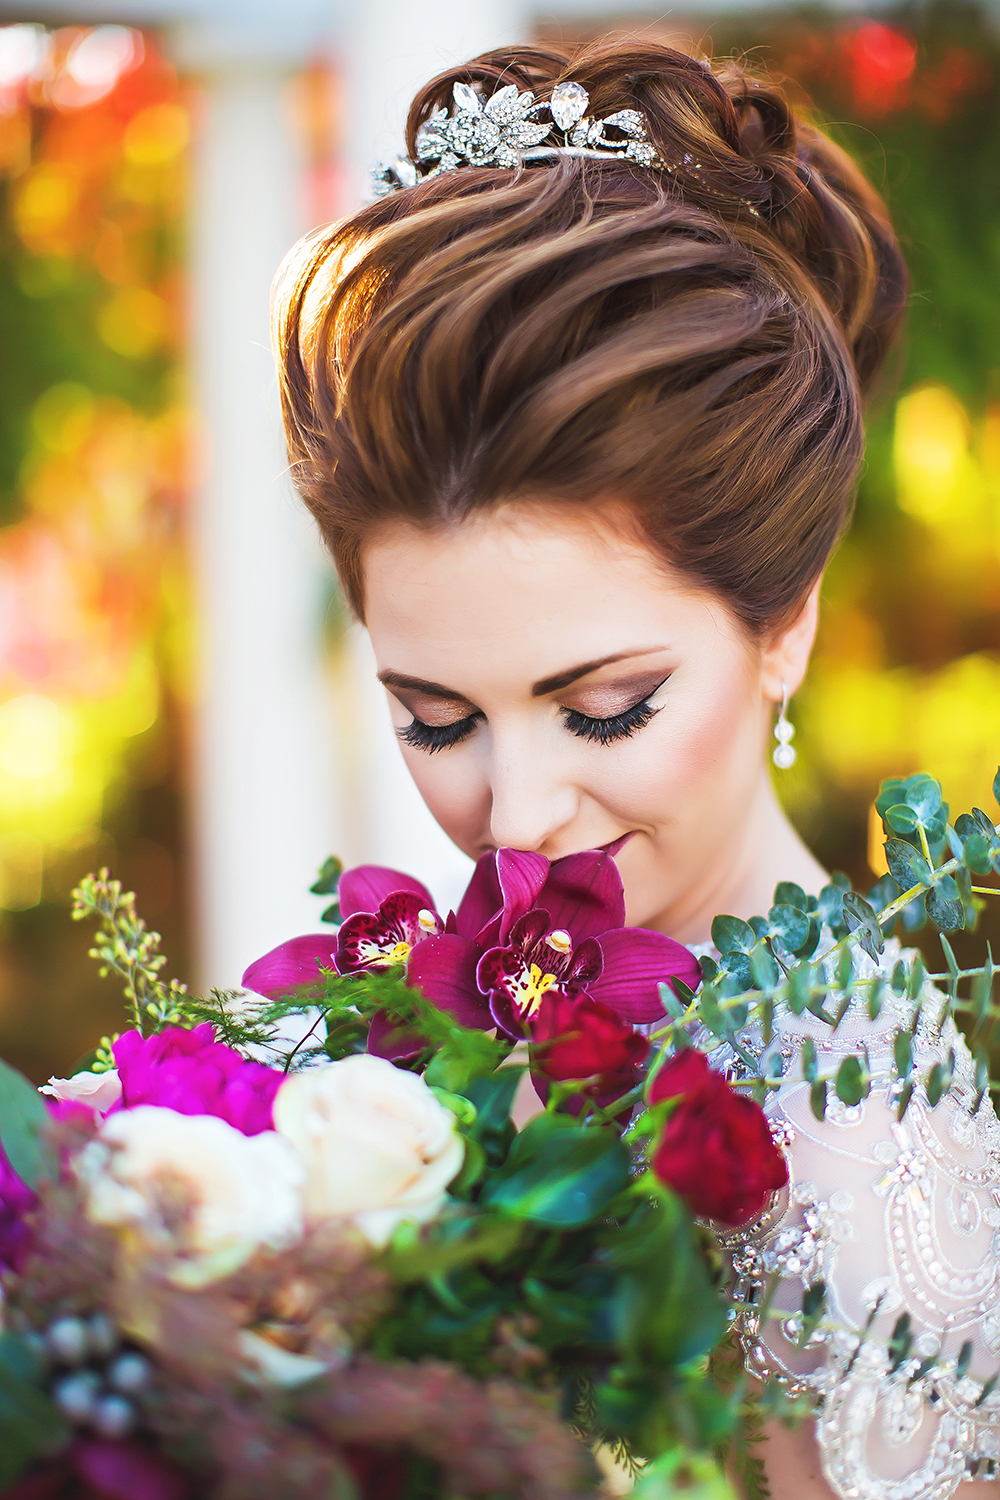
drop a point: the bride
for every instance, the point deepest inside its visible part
(577, 403)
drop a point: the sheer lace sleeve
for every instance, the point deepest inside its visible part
(895, 1218)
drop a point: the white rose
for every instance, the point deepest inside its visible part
(195, 1188)
(378, 1146)
(98, 1091)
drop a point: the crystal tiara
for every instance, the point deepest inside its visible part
(505, 131)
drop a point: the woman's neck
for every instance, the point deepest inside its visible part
(767, 850)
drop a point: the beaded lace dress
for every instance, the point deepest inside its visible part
(895, 1218)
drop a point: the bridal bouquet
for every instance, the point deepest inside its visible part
(292, 1243)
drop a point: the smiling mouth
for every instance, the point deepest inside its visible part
(614, 847)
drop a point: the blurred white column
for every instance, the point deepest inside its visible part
(392, 47)
(389, 48)
(264, 800)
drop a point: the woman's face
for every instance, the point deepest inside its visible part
(554, 686)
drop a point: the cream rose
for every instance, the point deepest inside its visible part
(195, 1188)
(98, 1091)
(378, 1146)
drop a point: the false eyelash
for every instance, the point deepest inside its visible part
(616, 727)
(431, 737)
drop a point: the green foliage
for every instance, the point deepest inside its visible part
(30, 1426)
(125, 947)
(24, 1120)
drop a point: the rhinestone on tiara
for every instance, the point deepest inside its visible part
(506, 130)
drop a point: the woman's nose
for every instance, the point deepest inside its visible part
(531, 804)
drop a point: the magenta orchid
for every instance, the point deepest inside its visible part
(526, 927)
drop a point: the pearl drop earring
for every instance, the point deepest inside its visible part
(784, 753)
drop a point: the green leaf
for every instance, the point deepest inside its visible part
(863, 922)
(831, 907)
(902, 1051)
(938, 1083)
(944, 906)
(810, 1066)
(923, 794)
(30, 1425)
(560, 1174)
(817, 1098)
(902, 818)
(787, 893)
(790, 926)
(976, 853)
(800, 982)
(899, 979)
(813, 1307)
(900, 1343)
(332, 914)
(671, 1004)
(731, 934)
(763, 967)
(906, 866)
(24, 1120)
(493, 1095)
(852, 1085)
(875, 996)
(328, 878)
(996, 786)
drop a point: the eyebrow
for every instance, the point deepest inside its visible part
(391, 679)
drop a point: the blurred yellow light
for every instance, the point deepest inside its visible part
(63, 416)
(931, 451)
(157, 135)
(20, 871)
(45, 201)
(133, 322)
(35, 737)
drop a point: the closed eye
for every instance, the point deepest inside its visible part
(615, 727)
(431, 737)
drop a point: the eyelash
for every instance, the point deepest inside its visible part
(432, 737)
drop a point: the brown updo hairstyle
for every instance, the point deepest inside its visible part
(696, 342)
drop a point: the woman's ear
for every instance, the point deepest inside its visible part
(786, 656)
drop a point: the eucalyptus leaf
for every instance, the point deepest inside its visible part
(24, 1121)
(763, 967)
(863, 922)
(810, 1065)
(945, 911)
(976, 853)
(732, 934)
(906, 866)
(790, 925)
(902, 1051)
(852, 1085)
(996, 786)
(817, 1098)
(787, 893)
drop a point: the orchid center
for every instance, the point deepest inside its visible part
(427, 920)
(529, 988)
(379, 957)
(560, 941)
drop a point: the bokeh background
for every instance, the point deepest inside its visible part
(181, 695)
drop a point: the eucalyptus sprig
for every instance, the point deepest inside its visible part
(769, 961)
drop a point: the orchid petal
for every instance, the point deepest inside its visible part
(584, 894)
(443, 969)
(367, 886)
(290, 965)
(636, 963)
(521, 875)
(482, 900)
(387, 1038)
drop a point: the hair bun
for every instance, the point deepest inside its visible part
(737, 148)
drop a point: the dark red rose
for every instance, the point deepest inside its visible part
(573, 1036)
(716, 1149)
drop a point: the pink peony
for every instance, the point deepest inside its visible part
(192, 1073)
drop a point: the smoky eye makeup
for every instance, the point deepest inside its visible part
(605, 727)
